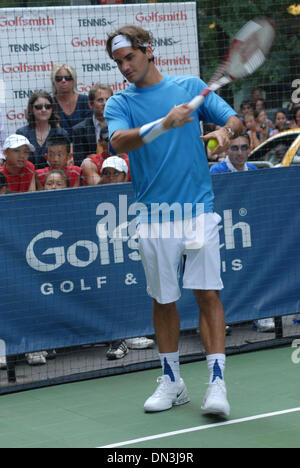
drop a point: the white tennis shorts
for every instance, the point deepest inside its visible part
(195, 242)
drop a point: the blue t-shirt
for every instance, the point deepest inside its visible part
(172, 168)
(221, 168)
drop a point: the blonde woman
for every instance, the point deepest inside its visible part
(72, 106)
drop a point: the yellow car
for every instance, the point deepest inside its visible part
(280, 150)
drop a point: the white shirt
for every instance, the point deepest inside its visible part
(97, 128)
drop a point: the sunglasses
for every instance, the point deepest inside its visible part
(242, 147)
(58, 79)
(114, 174)
(43, 106)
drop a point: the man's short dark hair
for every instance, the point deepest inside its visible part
(59, 140)
(97, 87)
(244, 134)
(137, 35)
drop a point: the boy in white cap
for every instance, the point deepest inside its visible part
(19, 172)
(92, 165)
(114, 170)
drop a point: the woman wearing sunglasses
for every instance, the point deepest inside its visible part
(72, 106)
(43, 123)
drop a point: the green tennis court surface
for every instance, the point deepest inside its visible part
(263, 389)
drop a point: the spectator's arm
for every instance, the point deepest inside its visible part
(90, 172)
(32, 187)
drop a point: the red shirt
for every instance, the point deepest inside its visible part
(72, 172)
(19, 182)
(99, 159)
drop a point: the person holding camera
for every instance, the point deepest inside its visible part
(263, 125)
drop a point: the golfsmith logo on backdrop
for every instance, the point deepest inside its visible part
(116, 242)
(28, 22)
(48, 250)
(157, 17)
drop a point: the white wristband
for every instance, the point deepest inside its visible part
(152, 130)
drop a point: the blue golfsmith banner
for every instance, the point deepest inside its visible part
(65, 281)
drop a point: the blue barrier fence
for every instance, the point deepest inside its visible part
(64, 282)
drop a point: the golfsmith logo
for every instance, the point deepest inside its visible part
(117, 242)
(115, 229)
(21, 22)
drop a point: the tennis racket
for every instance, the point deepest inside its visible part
(247, 52)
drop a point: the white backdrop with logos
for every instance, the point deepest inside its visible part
(33, 40)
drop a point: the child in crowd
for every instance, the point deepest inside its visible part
(250, 124)
(57, 155)
(19, 172)
(92, 165)
(114, 170)
(55, 180)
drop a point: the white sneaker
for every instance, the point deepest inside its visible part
(139, 343)
(36, 358)
(167, 394)
(215, 400)
(265, 325)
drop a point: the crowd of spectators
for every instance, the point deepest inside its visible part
(260, 122)
(67, 132)
(65, 144)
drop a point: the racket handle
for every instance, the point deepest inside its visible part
(196, 102)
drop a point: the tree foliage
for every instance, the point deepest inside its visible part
(219, 22)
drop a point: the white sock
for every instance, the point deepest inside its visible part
(170, 365)
(216, 366)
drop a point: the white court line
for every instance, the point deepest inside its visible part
(201, 428)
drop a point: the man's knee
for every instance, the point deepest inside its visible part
(207, 298)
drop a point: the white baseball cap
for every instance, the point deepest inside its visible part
(116, 163)
(15, 141)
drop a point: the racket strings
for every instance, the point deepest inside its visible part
(255, 61)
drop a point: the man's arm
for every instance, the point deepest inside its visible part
(126, 140)
(123, 141)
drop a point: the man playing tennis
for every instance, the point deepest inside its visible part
(169, 170)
